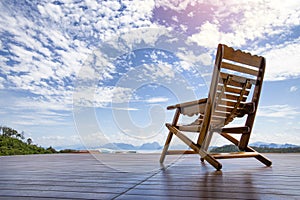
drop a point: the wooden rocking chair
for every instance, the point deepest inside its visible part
(234, 92)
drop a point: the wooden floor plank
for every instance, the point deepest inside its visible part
(140, 176)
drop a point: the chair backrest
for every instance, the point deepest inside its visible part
(237, 79)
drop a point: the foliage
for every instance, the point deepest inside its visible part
(51, 149)
(14, 146)
(68, 151)
(11, 144)
(225, 149)
(9, 132)
(29, 141)
(14, 143)
(277, 150)
(233, 148)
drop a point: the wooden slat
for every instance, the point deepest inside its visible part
(225, 109)
(218, 113)
(217, 122)
(236, 91)
(174, 152)
(193, 110)
(228, 103)
(239, 85)
(189, 128)
(46, 177)
(218, 117)
(237, 78)
(241, 57)
(236, 107)
(239, 69)
(233, 97)
(235, 155)
(235, 85)
(239, 130)
(186, 104)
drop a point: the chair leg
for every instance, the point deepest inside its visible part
(211, 160)
(169, 138)
(207, 141)
(260, 157)
(264, 160)
(166, 147)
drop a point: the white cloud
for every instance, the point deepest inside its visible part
(293, 89)
(43, 51)
(157, 100)
(93, 139)
(41, 105)
(126, 109)
(102, 96)
(275, 111)
(49, 59)
(159, 70)
(58, 141)
(282, 62)
(208, 36)
(243, 24)
(2, 81)
(174, 5)
(189, 58)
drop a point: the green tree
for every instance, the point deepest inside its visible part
(10, 132)
(29, 141)
(11, 143)
(51, 149)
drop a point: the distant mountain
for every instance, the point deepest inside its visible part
(125, 146)
(157, 146)
(150, 146)
(115, 146)
(272, 145)
(119, 146)
(75, 147)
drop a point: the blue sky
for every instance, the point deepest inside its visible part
(78, 72)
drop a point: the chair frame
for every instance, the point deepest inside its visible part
(208, 105)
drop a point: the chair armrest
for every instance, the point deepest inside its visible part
(186, 104)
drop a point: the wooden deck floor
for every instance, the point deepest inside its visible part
(139, 176)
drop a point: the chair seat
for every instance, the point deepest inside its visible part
(193, 127)
(189, 128)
